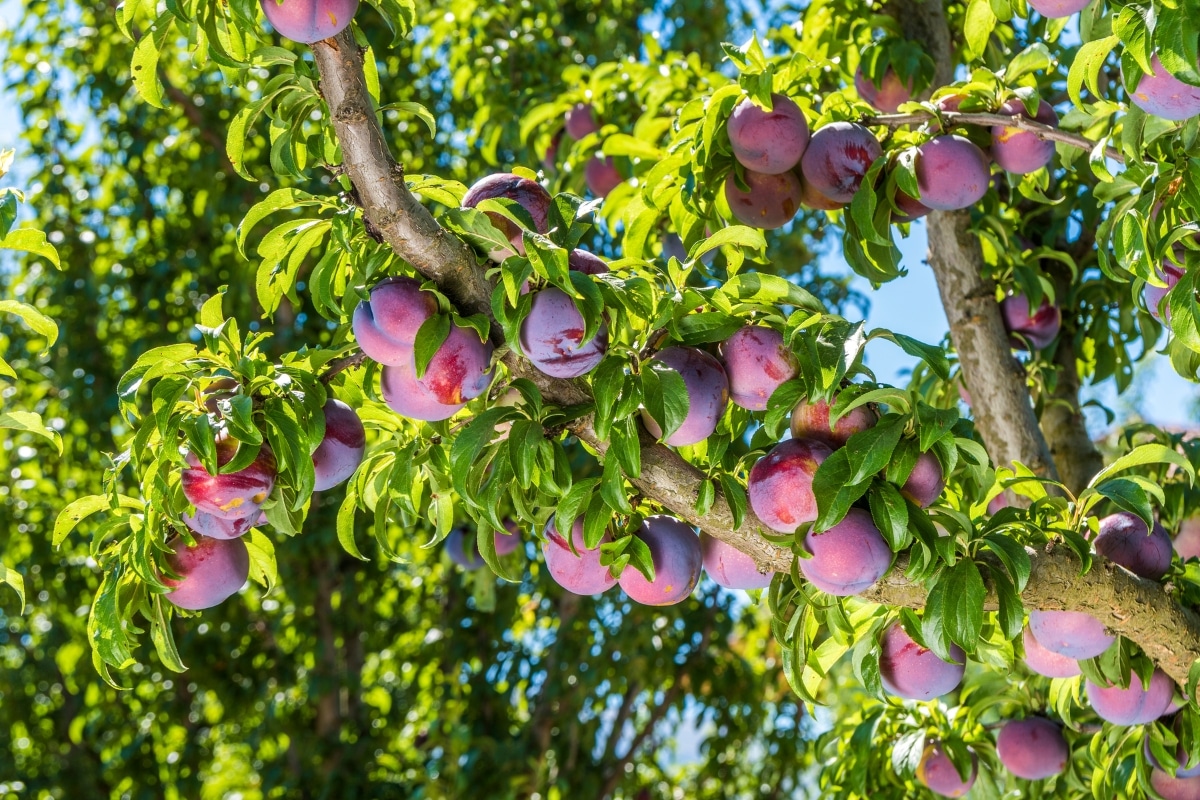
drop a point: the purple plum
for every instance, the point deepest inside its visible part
(1032, 748)
(848, 558)
(209, 573)
(1123, 539)
(780, 485)
(910, 671)
(707, 391)
(768, 142)
(757, 363)
(341, 451)
(730, 567)
(837, 158)
(1074, 634)
(675, 550)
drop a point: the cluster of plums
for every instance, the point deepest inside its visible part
(228, 505)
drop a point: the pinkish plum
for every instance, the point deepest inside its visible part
(938, 773)
(458, 372)
(386, 325)
(1123, 539)
(707, 391)
(1073, 634)
(1154, 296)
(552, 336)
(341, 451)
(1021, 152)
(848, 558)
(730, 567)
(780, 485)
(952, 173)
(1162, 94)
(1172, 788)
(209, 573)
(770, 203)
(1044, 662)
(837, 158)
(675, 550)
(887, 95)
(926, 481)
(528, 194)
(910, 671)
(602, 176)
(1056, 9)
(810, 420)
(581, 121)
(757, 363)
(231, 495)
(308, 21)
(405, 395)
(1039, 329)
(587, 263)
(579, 572)
(768, 142)
(1032, 748)
(218, 528)
(1136, 705)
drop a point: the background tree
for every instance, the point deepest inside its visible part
(404, 674)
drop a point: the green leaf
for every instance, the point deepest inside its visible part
(959, 594)
(1012, 554)
(144, 66)
(36, 320)
(1086, 67)
(429, 339)
(78, 510)
(665, 395)
(10, 576)
(870, 450)
(890, 514)
(1141, 456)
(977, 28)
(834, 491)
(29, 422)
(163, 637)
(28, 240)
(735, 496)
(756, 287)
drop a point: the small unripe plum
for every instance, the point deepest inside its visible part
(552, 336)
(730, 567)
(529, 194)
(230, 495)
(1123, 539)
(308, 21)
(926, 481)
(458, 372)
(938, 773)
(587, 263)
(771, 202)
(1162, 94)
(848, 558)
(209, 573)
(1155, 295)
(1172, 788)
(1187, 541)
(581, 121)
(342, 448)
(1056, 9)
(675, 550)
(1136, 705)
(810, 197)
(888, 96)
(578, 572)
(218, 528)
(1044, 662)
(386, 325)
(908, 208)
(1021, 152)
(707, 390)
(910, 671)
(602, 176)
(1074, 634)
(1032, 748)
(952, 173)
(1040, 329)
(810, 420)
(757, 362)
(768, 142)
(460, 545)
(672, 247)
(837, 158)
(780, 485)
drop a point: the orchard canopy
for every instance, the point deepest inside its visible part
(474, 400)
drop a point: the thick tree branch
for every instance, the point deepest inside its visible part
(1137, 609)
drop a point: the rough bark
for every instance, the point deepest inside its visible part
(1142, 611)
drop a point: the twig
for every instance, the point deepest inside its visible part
(351, 361)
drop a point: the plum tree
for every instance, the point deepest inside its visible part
(848, 558)
(1057, 9)
(209, 572)
(308, 21)
(1160, 93)
(837, 158)
(1154, 296)
(1044, 662)
(341, 450)
(460, 370)
(707, 390)
(1074, 634)
(1019, 151)
(1038, 329)
(602, 176)
(730, 567)
(952, 173)
(768, 142)
(229, 495)
(580, 121)
(938, 773)
(780, 484)
(909, 670)
(386, 324)
(770, 202)
(552, 336)
(678, 560)
(1032, 748)
(756, 362)
(886, 95)
(1135, 705)
(811, 420)
(1124, 539)
(926, 482)
(527, 193)
(572, 565)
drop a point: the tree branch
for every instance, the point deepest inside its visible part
(1140, 610)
